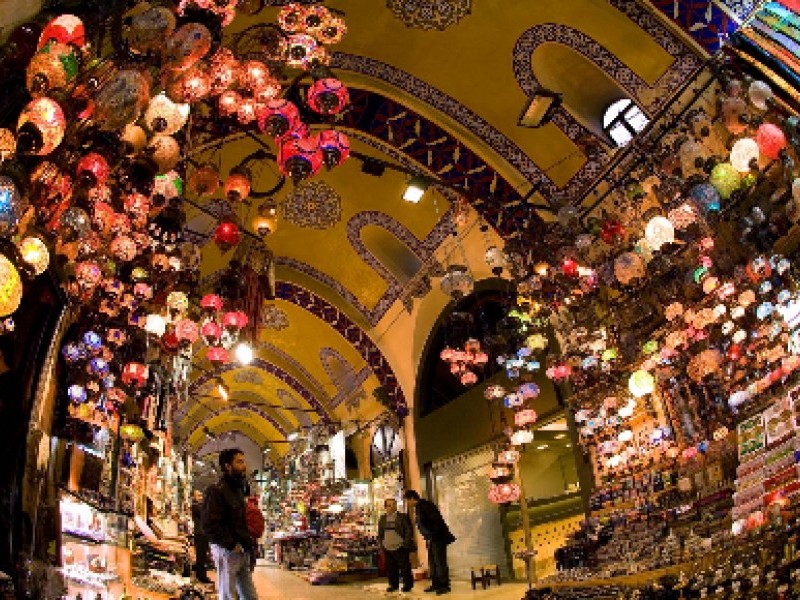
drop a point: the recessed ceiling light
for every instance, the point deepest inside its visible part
(415, 189)
(560, 436)
(542, 447)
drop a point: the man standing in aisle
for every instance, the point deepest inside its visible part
(396, 537)
(225, 525)
(200, 539)
(437, 535)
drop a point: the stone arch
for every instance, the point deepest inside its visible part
(286, 398)
(233, 410)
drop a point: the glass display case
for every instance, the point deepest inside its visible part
(94, 554)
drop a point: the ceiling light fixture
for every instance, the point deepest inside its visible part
(293, 436)
(415, 189)
(543, 105)
(243, 353)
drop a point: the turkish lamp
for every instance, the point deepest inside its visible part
(155, 324)
(658, 232)
(131, 432)
(165, 116)
(415, 189)
(10, 287)
(40, 127)
(770, 140)
(760, 94)
(266, 220)
(278, 117)
(237, 185)
(641, 383)
(521, 437)
(328, 96)
(35, 254)
(335, 147)
(11, 205)
(52, 68)
(744, 155)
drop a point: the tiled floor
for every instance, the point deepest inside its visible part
(276, 583)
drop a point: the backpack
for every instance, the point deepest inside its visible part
(255, 520)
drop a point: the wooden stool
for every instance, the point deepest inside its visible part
(476, 575)
(490, 572)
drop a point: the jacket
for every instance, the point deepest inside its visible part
(224, 514)
(402, 526)
(431, 523)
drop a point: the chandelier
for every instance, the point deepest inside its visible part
(463, 363)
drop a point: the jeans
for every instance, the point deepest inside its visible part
(437, 562)
(234, 579)
(398, 564)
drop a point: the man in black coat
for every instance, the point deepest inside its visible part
(224, 524)
(200, 539)
(437, 535)
(396, 537)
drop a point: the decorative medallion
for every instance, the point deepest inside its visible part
(430, 14)
(251, 376)
(273, 317)
(313, 205)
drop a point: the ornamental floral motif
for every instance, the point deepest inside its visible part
(251, 376)
(273, 317)
(430, 14)
(313, 205)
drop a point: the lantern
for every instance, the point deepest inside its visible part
(278, 117)
(659, 231)
(10, 205)
(247, 111)
(525, 417)
(725, 179)
(301, 50)
(64, 29)
(35, 253)
(165, 116)
(234, 320)
(134, 374)
(760, 94)
(732, 110)
(266, 220)
(771, 140)
(224, 70)
(494, 392)
(335, 147)
(625, 436)
(123, 248)
(508, 457)
(165, 151)
(121, 100)
(211, 303)
(10, 287)
(150, 28)
(155, 325)
(254, 75)
(237, 186)
(706, 197)
(53, 67)
(77, 394)
(328, 96)
(521, 437)
(204, 181)
(299, 158)
(93, 169)
(131, 432)
(505, 493)
(228, 103)
(211, 332)
(641, 383)
(40, 128)
(291, 17)
(627, 267)
(187, 330)
(218, 355)
(186, 46)
(227, 235)
(468, 378)
(332, 31)
(743, 153)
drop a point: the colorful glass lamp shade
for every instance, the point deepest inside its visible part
(328, 96)
(40, 128)
(10, 287)
(505, 493)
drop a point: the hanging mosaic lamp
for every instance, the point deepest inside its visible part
(278, 117)
(706, 197)
(743, 153)
(725, 179)
(10, 205)
(237, 186)
(641, 383)
(35, 254)
(165, 116)
(771, 140)
(505, 493)
(659, 231)
(227, 235)
(10, 287)
(335, 147)
(760, 94)
(40, 128)
(266, 220)
(64, 29)
(186, 46)
(299, 158)
(52, 68)
(328, 96)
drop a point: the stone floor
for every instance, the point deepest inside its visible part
(272, 583)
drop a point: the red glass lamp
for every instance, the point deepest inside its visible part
(328, 96)
(335, 147)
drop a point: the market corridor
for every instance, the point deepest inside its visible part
(277, 583)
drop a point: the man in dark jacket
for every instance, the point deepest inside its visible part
(200, 539)
(437, 535)
(224, 524)
(396, 537)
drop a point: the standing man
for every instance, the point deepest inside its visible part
(200, 539)
(396, 537)
(225, 525)
(437, 535)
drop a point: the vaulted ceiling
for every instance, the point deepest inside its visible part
(440, 93)
(439, 88)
